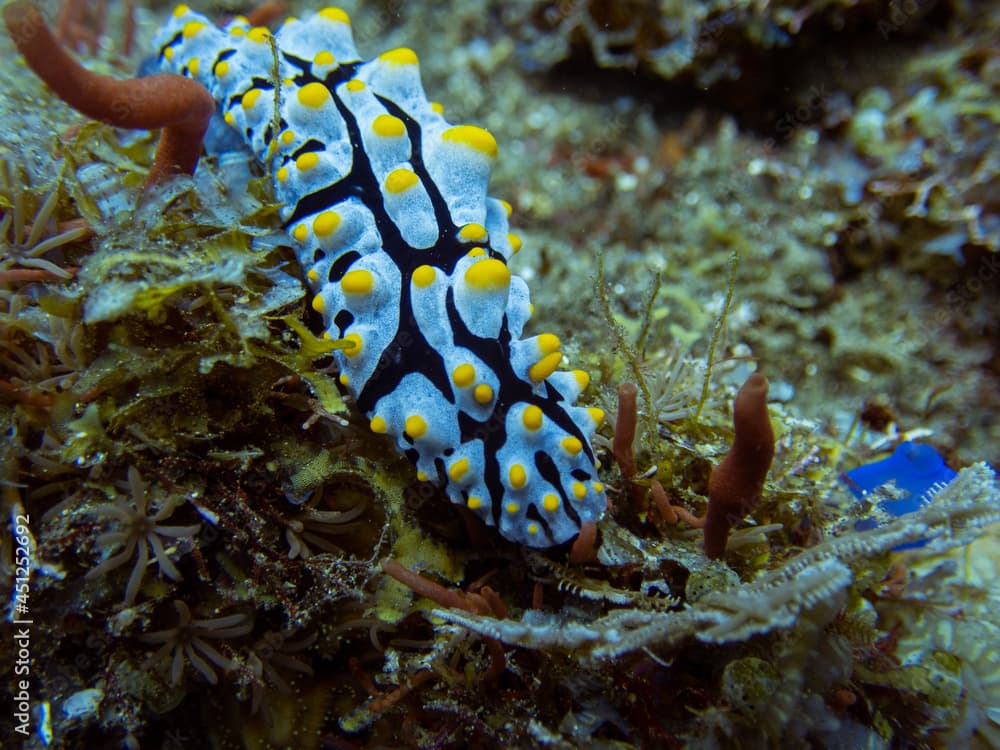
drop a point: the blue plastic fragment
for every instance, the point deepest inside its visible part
(918, 470)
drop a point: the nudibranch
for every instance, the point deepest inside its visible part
(385, 204)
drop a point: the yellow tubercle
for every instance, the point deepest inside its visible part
(512, 507)
(313, 95)
(474, 137)
(572, 445)
(424, 276)
(335, 14)
(358, 342)
(388, 126)
(237, 31)
(416, 426)
(181, 10)
(515, 243)
(259, 34)
(250, 98)
(192, 29)
(544, 367)
(598, 487)
(324, 58)
(400, 180)
(488, 275)
(193, 66)
(287, 137)
(221, 69)
(474, 503)
(437, 107)
(597, 415)
(532, 418)
(378, 425)
(582, 378)
(344, 380)
(422, 476)
(532, 528)
(400, 56)
(458, 469)
(326, 223)
(550, 502)
(507, 207)
(354, 85)
(483, 393)
(318, 304)
(463, 375)
(579, 490)
(359, 281)
(307, 161)
(473, 232)
(548, 343)
(518, 476)
(312, 275)
(300, 233)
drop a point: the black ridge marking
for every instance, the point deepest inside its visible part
(448, 249)
(496, 354)
(439, 468)
(268, 133)
(265, 84)
(550, 472)
(581, 475)
(342, 320)
(298, 62)
(259, 83)
(471, 428)
(413, 454)
(408, 352)
(533, 515)
(342, 265)
(311, 145)
(552, 391)
(173, 40)
(318, 255)
(224, 55)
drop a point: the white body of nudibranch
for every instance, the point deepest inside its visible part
(407, 256)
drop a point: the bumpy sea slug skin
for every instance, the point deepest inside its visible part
(407, 256)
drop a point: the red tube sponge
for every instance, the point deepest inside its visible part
(735, 485)
(180, 106)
